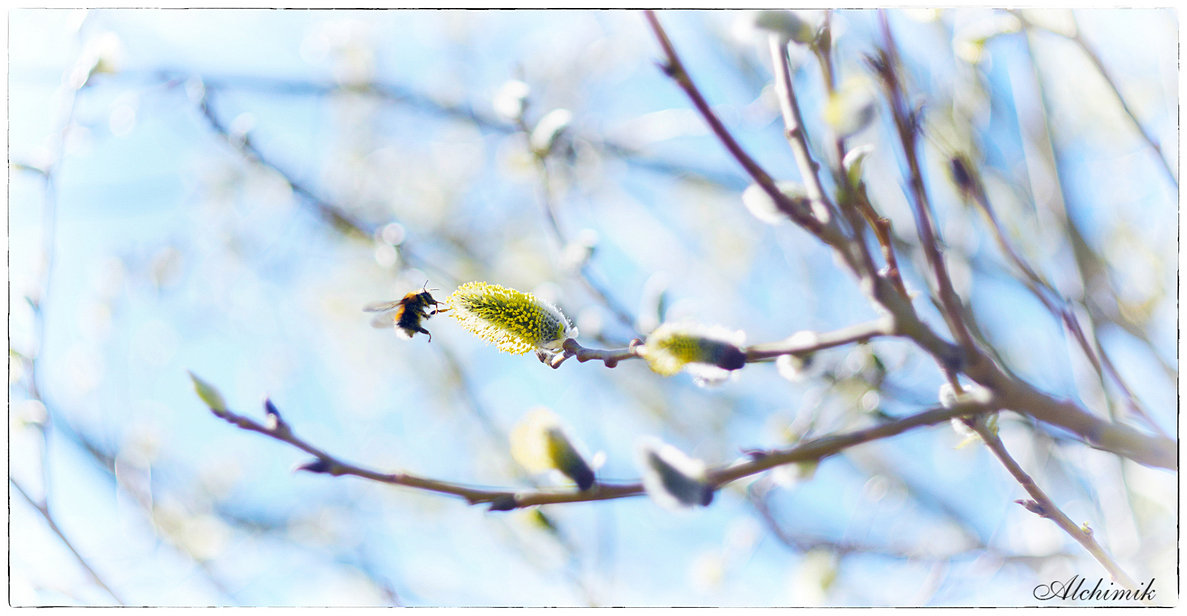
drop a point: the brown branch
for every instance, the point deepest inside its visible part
(966, 357)
(891, 298)
(853, 193)
(1017, 395)
(884, 232)
(328, 464)
(609, 357)
(797, 136)
(675, 69)
(800, 342)
(825, 446)
(808, 342)
(907, 125)
(798, 139)
(1055, 303)
(503, 499)
(1043, 506)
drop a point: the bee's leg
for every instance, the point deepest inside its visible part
(425, 332)
(437, 310)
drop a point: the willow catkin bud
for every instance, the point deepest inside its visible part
(539, 443)
(708, 353)
(671, 478)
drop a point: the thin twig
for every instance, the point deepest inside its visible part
(893, 298)
(825, 446)
(548, 204)
(800, 544)
(1046, 293)
(339, 217)
(853, 193)
(1078, 38)
(907, 125)
(336, 216)
(1059, 205)
(403, 95)
(43, 510)
(799, 343)
(328, 464)
(503, 500)
(609, 357)
(71, 87)
(675, 69)
(758, 497)
(797, 136)
(1043, 506)
(808, 342)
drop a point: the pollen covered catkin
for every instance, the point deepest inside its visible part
(514, 321)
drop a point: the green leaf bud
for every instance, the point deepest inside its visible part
(208, 394)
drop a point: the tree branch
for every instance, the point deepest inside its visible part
(43, 510)
(398, 94)
(1043, 506)
(338, 217)
(609, 357)
(1055, 303)
(808, 342)
(504, 499)
(797, 343)
(549, 206)
(967, 357)
(797, 137)
(908, 125)
(1021, 397)
(675, 69)
(825, 446)
(1078, 39)
(800, 543)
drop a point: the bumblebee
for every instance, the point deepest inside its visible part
(406, 314)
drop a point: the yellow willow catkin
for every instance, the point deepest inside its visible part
(514, 321)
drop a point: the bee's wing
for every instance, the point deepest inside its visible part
(382, 321)
(381, 306)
